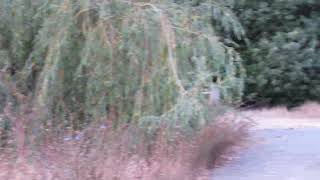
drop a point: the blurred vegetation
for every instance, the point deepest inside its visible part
(149, 62)
(117, 61)
(281, 52)
(82, 80)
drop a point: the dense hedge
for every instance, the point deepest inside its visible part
(281, 52)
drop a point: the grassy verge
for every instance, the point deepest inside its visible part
(127, 152)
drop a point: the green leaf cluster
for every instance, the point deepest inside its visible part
(120, 61)
(281, 52)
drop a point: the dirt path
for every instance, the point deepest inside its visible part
(286, 147)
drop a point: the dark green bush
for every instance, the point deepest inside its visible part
(282, 53)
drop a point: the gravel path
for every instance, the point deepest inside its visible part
(283, 149)
(281, 154)
(286, 146)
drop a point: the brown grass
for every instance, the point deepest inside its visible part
(307, 115)
(126, 153)
(308, 110)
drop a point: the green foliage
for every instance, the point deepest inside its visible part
(124, 61)
(282, 56)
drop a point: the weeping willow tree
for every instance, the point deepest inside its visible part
(143, 62)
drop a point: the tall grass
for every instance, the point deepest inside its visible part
(104, 151)
(100, 152)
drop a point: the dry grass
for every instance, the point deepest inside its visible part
(308, 110)
(307, 115)
(126, 153)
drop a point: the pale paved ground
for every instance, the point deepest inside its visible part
(286, 146)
